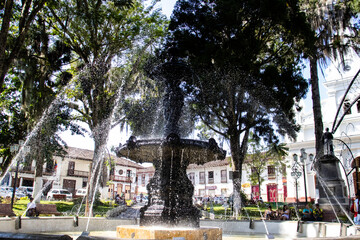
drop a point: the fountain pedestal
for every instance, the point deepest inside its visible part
(170, 190)
(334, 190)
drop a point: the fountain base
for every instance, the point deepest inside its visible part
(140, 232)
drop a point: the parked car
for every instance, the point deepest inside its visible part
(26, 190)
(53, 192)
(81, 192)
(6, 191)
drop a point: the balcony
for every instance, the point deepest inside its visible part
(30, 170)
(120, 179)
(77, 173)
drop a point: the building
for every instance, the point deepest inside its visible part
(346, 138)
(71, 172)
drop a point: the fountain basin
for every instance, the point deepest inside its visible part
(102, 226)
(142, 232)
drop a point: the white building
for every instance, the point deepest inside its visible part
(348, 132)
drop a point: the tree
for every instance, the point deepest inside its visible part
(259, 158)
(17, 17)
(335, 31)
(110, 39)
(245, 61)
(39, 70)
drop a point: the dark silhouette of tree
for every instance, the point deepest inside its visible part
(245, 61)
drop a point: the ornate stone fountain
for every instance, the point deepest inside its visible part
(170, 191)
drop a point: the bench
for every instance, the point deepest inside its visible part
(5, 210)
(61, 197)
(48, 209)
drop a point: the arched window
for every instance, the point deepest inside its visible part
(347, 106)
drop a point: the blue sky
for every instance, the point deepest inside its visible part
(167, 6)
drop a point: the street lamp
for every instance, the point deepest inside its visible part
(13, 149)
(303, 158)
(296, 174)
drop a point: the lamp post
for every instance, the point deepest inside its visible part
(13, 149)
(303, 158)
(296, 174)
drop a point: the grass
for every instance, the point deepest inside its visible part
(71, 208)
(62, 206)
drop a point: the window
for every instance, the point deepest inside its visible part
(202, 177)
(211, 177)
(128, 173)
(84, 183)
(346, 107)
(358, 106)
(223, 176)
(271, 172)
(191, 176)
(121, 172)
(143, 180)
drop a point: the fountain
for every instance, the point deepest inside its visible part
(170, 191)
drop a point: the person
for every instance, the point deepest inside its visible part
(261, 200)
(356, 209)
(31, 208)
(307, 213)
(318, 213)
(141, 197)
(327, 139)
(117, 199)
(269, 214)
(286, 213)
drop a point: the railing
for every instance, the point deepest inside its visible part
(120, 179)
(29, 170)
(77, 173)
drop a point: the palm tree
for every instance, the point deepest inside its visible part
(331, 24)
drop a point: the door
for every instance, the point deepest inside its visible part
(119, 188)
(69, 185)
(272, 192)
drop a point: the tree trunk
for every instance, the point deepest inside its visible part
(39, 166)
(318, 123)
(100, 134)
(238, 155)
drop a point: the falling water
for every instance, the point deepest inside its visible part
(99, 158)
(53, 107)
(263, 220)
(38, 195)
(296, 211)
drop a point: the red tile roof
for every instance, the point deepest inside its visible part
(217, 163)
(87, 155)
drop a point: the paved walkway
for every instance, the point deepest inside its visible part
(131, 212)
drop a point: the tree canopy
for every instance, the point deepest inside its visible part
(246, 65)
